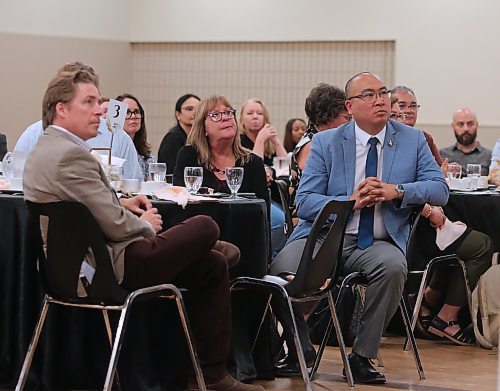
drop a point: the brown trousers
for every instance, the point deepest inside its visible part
(183, 255)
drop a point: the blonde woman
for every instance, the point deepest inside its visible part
(257, 134)
(214, 144)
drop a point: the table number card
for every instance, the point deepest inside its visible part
(115, 117)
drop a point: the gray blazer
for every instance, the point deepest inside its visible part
(57, 169)
(329, 174)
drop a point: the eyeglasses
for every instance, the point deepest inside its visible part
(397, 117)
(216, 116)
(413, 106)
(136, 113)
(371, 96)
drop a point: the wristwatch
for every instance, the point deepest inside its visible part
(401, 192)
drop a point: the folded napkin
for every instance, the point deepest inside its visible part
(448, 233)
(176, 194)
(4, 184)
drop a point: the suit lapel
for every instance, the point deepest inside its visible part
(349, 151)
(389, 151)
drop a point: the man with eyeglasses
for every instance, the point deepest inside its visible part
(467, 150)
(387, 168)
(408, 107)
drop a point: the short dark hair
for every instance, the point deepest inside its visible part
(324, 103)
(397, 89)
(348, 84)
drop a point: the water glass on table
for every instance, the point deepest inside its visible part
(473, 174)
(115, 176)
(234, 178)
(193, 178)
(157, 171)
(454, 171)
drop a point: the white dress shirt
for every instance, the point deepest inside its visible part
(362, 148)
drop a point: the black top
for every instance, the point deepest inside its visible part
(247, 143)
(3, 145)
(254, 177)
(170, 145)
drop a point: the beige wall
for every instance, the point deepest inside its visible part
(446, 50)
(32, 62)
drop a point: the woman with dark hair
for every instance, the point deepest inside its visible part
(294, 130)
(325, 108)
(185, 107)
(135, 127)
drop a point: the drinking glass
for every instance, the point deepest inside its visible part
(193, 178)
(473, 174)
(157, 171)
(454, 171)
(234, 177)
(115, 176)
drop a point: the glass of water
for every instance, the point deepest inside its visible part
(473, 174)
(115, 177)
(157, 171)
(454, 171)
(193, 178)
(234, 178)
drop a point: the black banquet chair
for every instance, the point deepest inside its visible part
(283, 190)
(314, 269)
(359, 279)
(59, 269)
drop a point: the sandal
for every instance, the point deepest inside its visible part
(463, 337)
(424, 321)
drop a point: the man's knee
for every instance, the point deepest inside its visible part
(204, 227)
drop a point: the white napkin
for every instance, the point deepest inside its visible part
(448, 233)
(103, 159)
(177, 194)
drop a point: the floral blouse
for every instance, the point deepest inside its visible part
(295, 171)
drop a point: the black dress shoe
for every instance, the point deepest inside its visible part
(290, 366)
(363, 371)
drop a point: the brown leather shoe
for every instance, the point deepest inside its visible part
(228, 383)
(231, 252)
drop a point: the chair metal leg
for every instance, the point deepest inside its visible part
(115, 352)
(192, 351)
(298, 345)
(266, 309)
(321, 349)
(340, 339)
(411, 337)
(110, 339)
(32, 346)
(418, 304)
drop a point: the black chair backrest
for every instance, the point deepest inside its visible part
(412, 251)
(316, 267)
(283, 191)
(71, 231)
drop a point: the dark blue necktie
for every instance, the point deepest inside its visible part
(365, 228)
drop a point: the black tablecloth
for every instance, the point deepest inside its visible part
(73, 352)
(479, 211)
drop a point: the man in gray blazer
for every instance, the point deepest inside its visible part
(387, 168)
(188, 254)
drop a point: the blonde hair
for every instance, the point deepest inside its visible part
(198, 139)
(269, 150)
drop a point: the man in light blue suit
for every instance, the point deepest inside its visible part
(387, 168)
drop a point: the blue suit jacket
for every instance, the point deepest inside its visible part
(407, 160)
